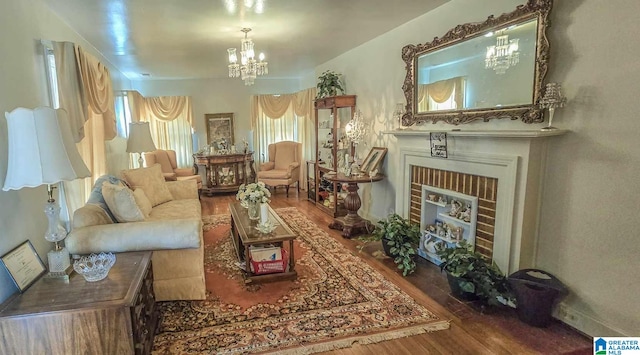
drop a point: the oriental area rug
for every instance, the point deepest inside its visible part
(336, 301)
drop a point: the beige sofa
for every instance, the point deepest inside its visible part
(172, 230)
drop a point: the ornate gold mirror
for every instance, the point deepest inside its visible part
(480, 71)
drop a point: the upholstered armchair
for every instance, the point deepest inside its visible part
(168, 162)
(283, 167)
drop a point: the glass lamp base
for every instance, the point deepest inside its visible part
(59, 264)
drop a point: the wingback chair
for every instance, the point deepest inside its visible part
(283, 167)
(168, 162)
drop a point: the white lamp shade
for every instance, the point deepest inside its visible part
(41, 149)
(140, 138)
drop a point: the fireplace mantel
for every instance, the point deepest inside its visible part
(481, 133)
(516, 158)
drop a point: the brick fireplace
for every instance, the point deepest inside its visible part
(482, 187)
(504, 169)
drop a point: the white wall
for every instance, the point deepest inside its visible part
(218, 96)
(589, 226)
(22, 83)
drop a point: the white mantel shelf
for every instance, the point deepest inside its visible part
(481, 133)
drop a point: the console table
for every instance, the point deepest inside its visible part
(117, 315)
(225, 172)
(352, 224)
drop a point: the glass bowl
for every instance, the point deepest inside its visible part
(94, 267)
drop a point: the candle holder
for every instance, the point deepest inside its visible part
(552, 99)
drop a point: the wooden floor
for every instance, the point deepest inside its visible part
(473, 330)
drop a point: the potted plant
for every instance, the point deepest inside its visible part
(329, 84)
(399, 239)
(471, 277)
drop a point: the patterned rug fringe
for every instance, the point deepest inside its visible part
(364, 339)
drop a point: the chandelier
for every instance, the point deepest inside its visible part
(503, 55)
(249, 68)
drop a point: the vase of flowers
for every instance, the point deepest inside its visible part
(251, 196)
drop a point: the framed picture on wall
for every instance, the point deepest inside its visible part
(373, 159)
(219, 127)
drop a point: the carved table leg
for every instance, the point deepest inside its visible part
(352, 224)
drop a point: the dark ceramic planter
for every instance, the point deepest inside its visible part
(457, 292)
(386, 247)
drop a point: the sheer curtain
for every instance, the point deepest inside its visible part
(277, 118)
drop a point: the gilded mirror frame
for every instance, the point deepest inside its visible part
(528, 113)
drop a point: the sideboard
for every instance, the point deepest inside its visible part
(225, 172)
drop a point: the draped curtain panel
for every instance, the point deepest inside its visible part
(70, 88)
(86, 92)
(276, 118)
(137, 106)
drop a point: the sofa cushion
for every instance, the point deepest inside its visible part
(151, 181)
(176, 209)
(142, 201)
(122, 203)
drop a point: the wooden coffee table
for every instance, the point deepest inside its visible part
(244, 234)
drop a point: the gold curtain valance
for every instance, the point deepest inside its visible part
(441, 91)
(98, 89)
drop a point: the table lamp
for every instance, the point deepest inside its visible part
(42, 151)
(140, 140)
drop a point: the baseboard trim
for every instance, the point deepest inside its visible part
(584, 323)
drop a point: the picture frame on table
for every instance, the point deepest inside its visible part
(24, 265)
(373, 159)
(219, 127)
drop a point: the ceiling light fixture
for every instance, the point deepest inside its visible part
(249, 68)
(503, 55)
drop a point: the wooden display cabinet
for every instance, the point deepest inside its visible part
(332, 114)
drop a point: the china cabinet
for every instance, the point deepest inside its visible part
(447, 217)
(332, 148)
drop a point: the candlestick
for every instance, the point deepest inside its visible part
(264, 213)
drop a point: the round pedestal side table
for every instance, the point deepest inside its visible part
(352, 224)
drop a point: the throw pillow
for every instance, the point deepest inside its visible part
(122, 203)
(96, 198)
(151, 181)
(142, 201)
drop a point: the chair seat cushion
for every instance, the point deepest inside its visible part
(274, 174)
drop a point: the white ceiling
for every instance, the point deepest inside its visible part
(172, 39)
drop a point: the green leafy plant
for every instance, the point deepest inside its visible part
(474, 274)
(329, 83)
(401, 237)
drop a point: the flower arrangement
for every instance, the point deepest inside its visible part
(254, 192)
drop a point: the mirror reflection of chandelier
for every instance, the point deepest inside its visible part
(249, 68)
(503, 55)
